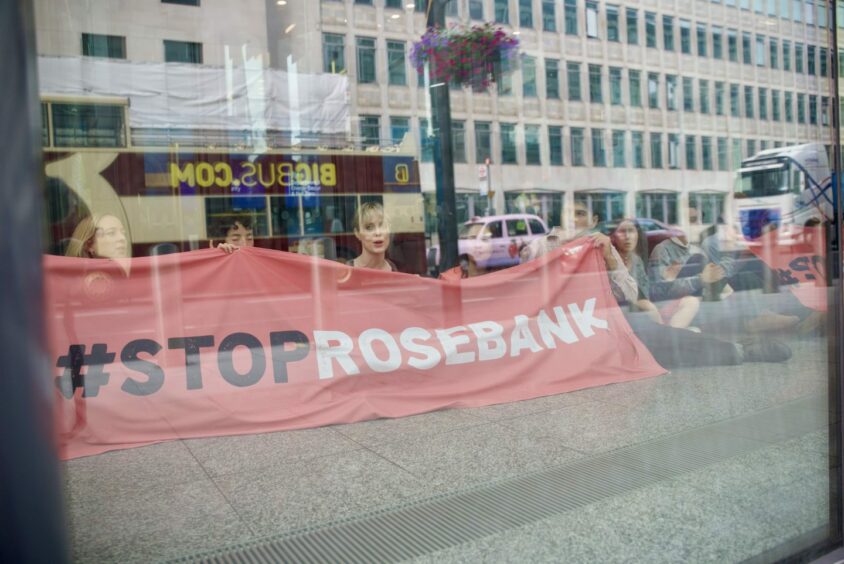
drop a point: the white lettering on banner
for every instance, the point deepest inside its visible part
(431, 356)
(325, 353)
(456, 342)
(450, 342)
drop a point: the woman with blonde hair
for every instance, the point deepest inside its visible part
(100, 236)
(372, 229)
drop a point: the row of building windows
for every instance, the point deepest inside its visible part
(769, 52)
(809, 11)
(114, 47)
(698, 152)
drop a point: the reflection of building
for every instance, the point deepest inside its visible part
(630, 108)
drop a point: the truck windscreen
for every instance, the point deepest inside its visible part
(769, 181)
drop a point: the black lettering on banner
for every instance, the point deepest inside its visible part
(801, 264)
(72, 376)
(193, 369)
(154, 373)
(281, 355)
(224, 359)
(786, 277)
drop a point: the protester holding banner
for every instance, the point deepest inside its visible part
(236, 233)
(372, 229)
(99, 236)
(632, 244)
(675, 347)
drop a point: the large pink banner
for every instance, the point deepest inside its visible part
(202, 344)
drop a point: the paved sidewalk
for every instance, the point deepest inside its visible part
(181, 498)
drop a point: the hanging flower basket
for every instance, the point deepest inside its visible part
(471, 56)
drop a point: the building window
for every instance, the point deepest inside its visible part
(615, 86)
(109, 46)
(571, 17)
(483, 141)
(528, 77)
(746, 53)
(751, 147)
(398, 127)
(703, 91)
(450, 8)
(735, 106)
(760, 50)
(634, 82)
(508, 143)
(686, 37)
(181, 2)
(732, 45)
(701, 40)
(801, 108)
(719, 98)
(656, 150)
(458, 141)
(813, 110)
(555, 144)
(722, 154)
(182, 52)
(650, 29)
(552, 79)
(717, 43)
(736, 152)
(576, 143)
(661, 206)
(798, 58)
(609, 206)
(824, 111)
(786, 55)
(671, 92)
(748, 101)
(688, 95)
(775, 105)
(525, 13)
(573, 74)
(370, 130)
(599, 151)
(426, 141)
(532, 153)
(596, 95)
(549, 16)
(502, 11)
(592, 19)
(613, 33)
(632, 15)
(476, 9)
(333, 56)
(710, 206)
(810, 54)
(366, 60)
(618, 156)
(706, 153)
(788, 102)
(773, 53)
(823, 60)
(691, 152)
(638, 145)
(673, 150)
(763, 103)
(396, 68)
(364, 2)
(668, 33)
(653, 90)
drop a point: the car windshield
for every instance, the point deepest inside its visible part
(762, 182)
(470, 230)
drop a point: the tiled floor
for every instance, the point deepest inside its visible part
(184, 497)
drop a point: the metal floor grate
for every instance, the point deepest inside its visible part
(437, 523)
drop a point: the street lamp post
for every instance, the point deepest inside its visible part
(443, 154)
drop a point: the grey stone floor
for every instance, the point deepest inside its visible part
(181, 498)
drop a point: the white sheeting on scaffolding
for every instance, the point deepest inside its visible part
(177, 95)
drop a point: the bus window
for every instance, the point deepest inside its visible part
(328, 214)
(285, 216)
(88, 125)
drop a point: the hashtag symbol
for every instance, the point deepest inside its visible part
(94, 377)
